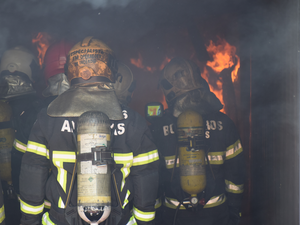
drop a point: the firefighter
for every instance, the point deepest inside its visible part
(215, 198)
(19, 70)
(124, 85)
(54, 70)
(91, 68)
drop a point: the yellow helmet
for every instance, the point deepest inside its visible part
(91, 61)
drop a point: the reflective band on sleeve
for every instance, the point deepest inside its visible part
(126, 160)
(233, 188)
(157, 203)
(2, 214)
(143, 216)
(145, 158)
(29, 209)
(47, 204)
(216, 158)
(59, 158)
(132, 221)
(37, 148)
(46, 219)
(126, 199)
(215, 201)
(170, 161)
(20, 146)
(172, 203)
(234, 150)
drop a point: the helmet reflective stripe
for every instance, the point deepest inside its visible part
(126, 199)
(20, 146)
(234, 150)
(143, 216)
(126, 159)
(170, 161)
(2, 214)
(233, 188)
(46, 219)
(145, 158)
(132, 221)
(37, 148)
(59, 158)
(30, 209)
(216, 158)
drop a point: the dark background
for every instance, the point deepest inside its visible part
(266, 35)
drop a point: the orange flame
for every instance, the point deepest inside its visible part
(224, 57)
(164, 63)
(42, 42)
(139, 64)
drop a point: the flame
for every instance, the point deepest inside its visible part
(139, 64)
(42, 42)
(223, 57)
(164, 63)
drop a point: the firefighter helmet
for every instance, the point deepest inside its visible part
(124, 85)
(91, 61)
(20, 59)
(19, 68)
(180, 76)
(56, 58)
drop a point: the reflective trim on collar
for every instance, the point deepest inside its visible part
(20, 146)
(145, 158)
(233, 188)
(37, 148)
(30, 209)
(143, 216)
(234, 150)
(170, 161)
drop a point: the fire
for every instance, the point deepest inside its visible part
(223, 57)
(164, 63)
(42, 42)
(139, 64)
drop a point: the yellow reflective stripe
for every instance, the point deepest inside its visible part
(126, 199)
(234, 150)
(157, 203)
(234, 188)
(216, 158)
(37, 148)
(2, 214)
(170, 161)
(47, 204)
(215, 201)
(29, 209)
(145, 158)
(126, 160)
(172, 203)
(59, 158)
(132, 221)
(46, 219)
(143, 216)
(20, 146)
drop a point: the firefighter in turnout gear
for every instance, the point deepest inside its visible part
(91, 70)
(19, 70)
(203, 171)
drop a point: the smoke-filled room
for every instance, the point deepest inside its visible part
(154, 112)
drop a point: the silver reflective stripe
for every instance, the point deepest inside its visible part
(233, 188)
(29, 209)
(20, 146)
(215, 201)
(132, 221)
(216, 157)
(37, 148)
(145, 158)
(173, 203)
(143, 216)
(234, 150)
(157, 203)
(46, 220)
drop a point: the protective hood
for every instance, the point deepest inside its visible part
(83, 98)
(15, 85)
(199, 100)
(56, 85)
